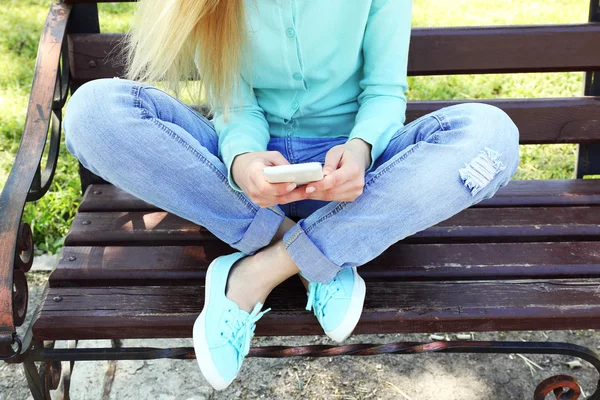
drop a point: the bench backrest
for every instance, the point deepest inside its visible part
(452, 51)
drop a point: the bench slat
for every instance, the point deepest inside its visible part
(433, 51)
(515, 224)
(540, 121)
(399, 307)
(170, 265)
(557, 192)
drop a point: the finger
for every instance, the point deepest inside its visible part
(345, 173)
(265, 188)
(275, 158)
(345, 192)
(332, 159)
(338, 177)
(258, 179)
(326, 183)
(294, 195)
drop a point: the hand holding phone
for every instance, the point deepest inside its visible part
(247, 173)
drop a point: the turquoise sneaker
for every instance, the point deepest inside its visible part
(338, 304)
(222, 332)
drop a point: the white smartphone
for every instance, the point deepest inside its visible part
(300, 174)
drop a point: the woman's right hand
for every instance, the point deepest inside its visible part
(247, 172)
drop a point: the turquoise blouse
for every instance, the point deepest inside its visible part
(320, 69)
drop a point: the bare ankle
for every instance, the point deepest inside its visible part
(242, 286)
(285, 226)
(253, 277)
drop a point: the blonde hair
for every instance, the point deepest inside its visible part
(165, 34)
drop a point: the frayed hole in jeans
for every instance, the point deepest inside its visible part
(481, 170)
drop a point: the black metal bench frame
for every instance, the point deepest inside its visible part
(48, 368)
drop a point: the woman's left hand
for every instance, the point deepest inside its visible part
(344, 171)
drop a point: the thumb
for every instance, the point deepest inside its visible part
(273, 158)
(332, 159)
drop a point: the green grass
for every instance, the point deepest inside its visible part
(537, 161)
(21, 23)
(20, 30)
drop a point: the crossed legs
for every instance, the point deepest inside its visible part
(155, 147)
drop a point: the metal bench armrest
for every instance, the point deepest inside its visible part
(26, 182)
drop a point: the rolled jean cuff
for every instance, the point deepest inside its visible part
(261, 230)
(311, 261)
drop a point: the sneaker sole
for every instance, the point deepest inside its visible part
(207, 366)
(355, 308)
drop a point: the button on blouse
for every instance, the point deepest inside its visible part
(319, 69)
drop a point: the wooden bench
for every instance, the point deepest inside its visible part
(526, 259)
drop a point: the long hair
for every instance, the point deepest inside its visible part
(168, 35)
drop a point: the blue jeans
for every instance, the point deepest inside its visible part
(155, 147)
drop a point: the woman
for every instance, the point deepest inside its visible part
(289, 81)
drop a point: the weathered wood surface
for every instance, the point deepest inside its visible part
(142, 272)
(540, 121)
(30, 153)
(504, 49)
(521, 224)
(433, 51)
(129, 282)
(530, 193)
(390, 307)
(173, 265)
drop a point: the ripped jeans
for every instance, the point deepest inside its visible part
(153, 146)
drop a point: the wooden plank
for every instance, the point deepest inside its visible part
(433, 51)
(111, 198)
(518, 224)
(504, 49)
(94, 55)
(548, 193)
(540, 121)
(136, 228)
(171, 265)
(518, 193)
(398, 307)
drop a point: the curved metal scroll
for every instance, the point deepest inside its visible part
(14, 353)
(24, 253)
(564, 387)
(20, 297)
(41, 183)
(53, 378)
(43, 180)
